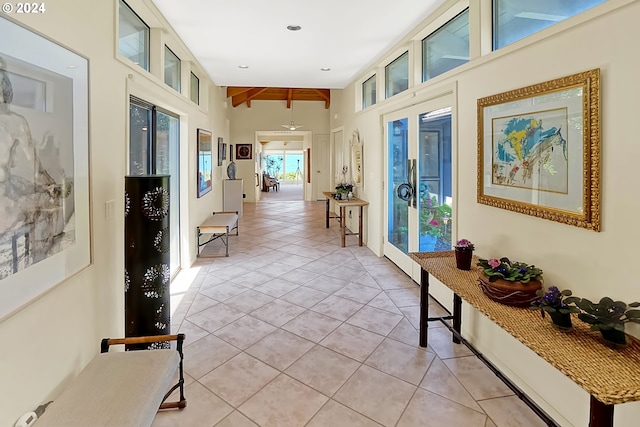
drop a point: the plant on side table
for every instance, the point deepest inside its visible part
(509, 282)
(464, 253)
(557, 304)
(609, 317)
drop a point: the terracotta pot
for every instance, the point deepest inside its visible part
(516, 294)
(463, 258)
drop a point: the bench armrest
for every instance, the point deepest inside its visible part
(106, 342)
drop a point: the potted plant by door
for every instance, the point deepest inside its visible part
(464, 253)
(509, 282)
(609, 317)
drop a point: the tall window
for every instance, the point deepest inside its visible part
(369, 92)
(171, 69)
(194, 89)
(154, 143)
(133, 36)
(397, 75)
(446, 48)
(516, 19)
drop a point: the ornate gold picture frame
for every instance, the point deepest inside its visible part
(539, 150)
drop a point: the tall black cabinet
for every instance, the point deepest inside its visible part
(147, 260)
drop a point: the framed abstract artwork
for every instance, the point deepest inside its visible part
(539, 150)
(44, 140)
(205, 156)
(244, 151)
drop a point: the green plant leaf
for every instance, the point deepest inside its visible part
(634, 304)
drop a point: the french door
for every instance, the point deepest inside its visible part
(418, 187)
(154, 147)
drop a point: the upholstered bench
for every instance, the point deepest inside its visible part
(218, 226)
(120, 389)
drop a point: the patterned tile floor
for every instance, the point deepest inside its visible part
(293, 330)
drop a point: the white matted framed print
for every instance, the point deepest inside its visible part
(44, 165)
(539, 150)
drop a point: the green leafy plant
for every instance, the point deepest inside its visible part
(554, 301)
(513, 271)
(607, 314)
(432, 215)
(344, 188)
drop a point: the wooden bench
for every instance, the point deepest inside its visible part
(121, 389)
(218, 225)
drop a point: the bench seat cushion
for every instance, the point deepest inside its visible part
(118, 389)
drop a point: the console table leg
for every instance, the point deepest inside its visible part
(457, 316)
(327, 220)
(424, 306)
(600, 414)
(360, 228)
(343, 225)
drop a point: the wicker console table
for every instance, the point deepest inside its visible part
(610, 376)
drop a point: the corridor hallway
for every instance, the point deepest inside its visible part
(293, 330)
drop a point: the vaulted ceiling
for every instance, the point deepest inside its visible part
(240, 95)
(246, 42)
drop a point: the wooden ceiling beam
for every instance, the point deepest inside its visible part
(326, 94)
(235, 90)
(241, 95)
(289, 97)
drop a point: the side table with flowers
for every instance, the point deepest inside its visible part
(557, 304)
(464, 253)
(509, 282)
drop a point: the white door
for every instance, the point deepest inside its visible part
(319, 168)
(419, 181)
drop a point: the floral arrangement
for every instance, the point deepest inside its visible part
(432, 215)
(432, 228)
(464, 244)
(554, 301)
(513, 271)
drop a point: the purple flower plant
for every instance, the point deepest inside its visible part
(553, 300)
(465, 244)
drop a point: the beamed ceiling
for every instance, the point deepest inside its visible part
(240, 95)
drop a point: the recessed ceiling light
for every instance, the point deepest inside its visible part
(294, 27)
(244, 67)
(71, 67)
(325, 69)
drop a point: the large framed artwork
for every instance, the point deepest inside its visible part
(44, 165)
(205, 168)
(539, 150)
(244, 151)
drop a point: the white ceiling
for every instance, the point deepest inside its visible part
(347, 36)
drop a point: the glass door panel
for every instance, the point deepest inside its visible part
(398, 209)
(154, 144)
(166, 163)
(434, 169)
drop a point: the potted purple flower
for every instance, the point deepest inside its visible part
(464, 253)
(557, 305)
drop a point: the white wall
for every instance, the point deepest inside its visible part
(49, 342)
(591, 264)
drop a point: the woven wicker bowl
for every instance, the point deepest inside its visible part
(516, 294)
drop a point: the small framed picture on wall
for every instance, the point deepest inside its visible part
(244, 151)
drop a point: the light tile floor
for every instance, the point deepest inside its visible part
(293, 330)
